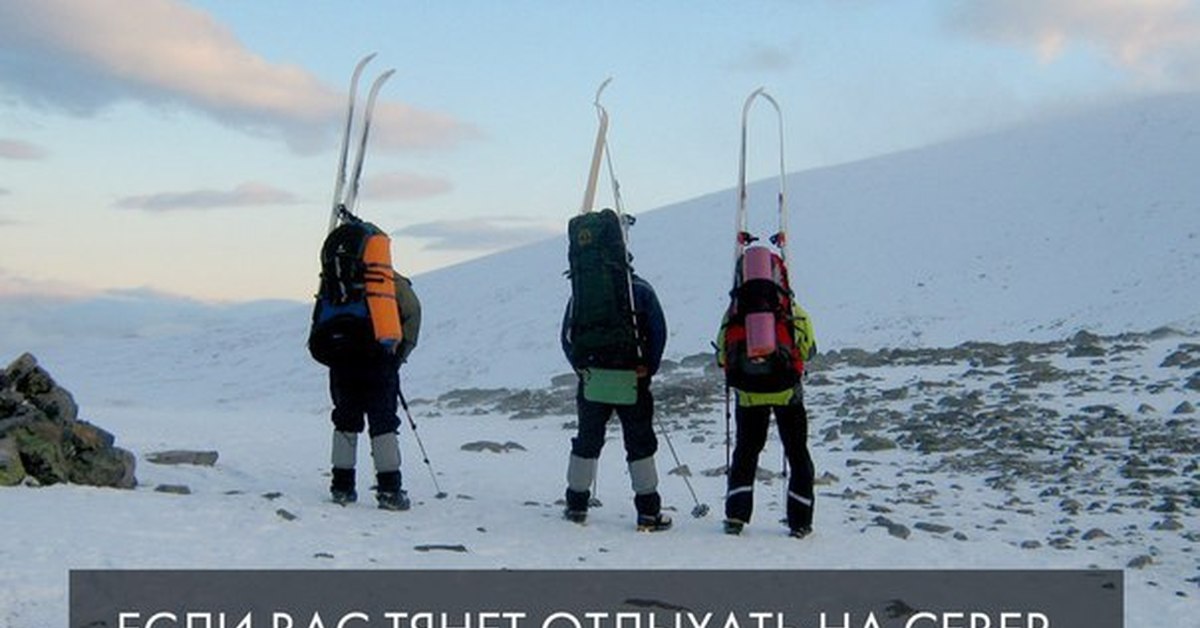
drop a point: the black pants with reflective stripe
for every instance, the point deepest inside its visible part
(752, 425)
(637, 425)
(369, 389)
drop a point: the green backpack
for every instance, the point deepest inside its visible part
(603, 328)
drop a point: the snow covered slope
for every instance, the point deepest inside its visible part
(1089, 221)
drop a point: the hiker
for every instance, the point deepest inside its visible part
(370, 387)
(752, 418)
(637, 419)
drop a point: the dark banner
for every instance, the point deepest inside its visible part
(596, 599)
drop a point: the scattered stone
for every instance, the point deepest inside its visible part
(1032, 544)
(1095, 533)
(826, 479)
(959, 536)
(174, 489)
(183, 456)
(1140, 562)
(682, 471)
(1169, 524)
(441, 548)
(874, 443)
(323, 555)
(285, 515)
(897, 530)
(492, 446)
(272, 496)
(1184, 408)
(935, 528)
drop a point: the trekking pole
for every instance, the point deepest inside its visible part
(728, 437)
(404, 404)
(699, 510)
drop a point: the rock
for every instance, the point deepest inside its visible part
(1095, 533)
(183, 456)
(1169, 524)
(1193, 382)
(39, 419)
(935, 528)
(897, 530)
(1140, 562)
(874, 443)
(492, 446)
(285, 515)
(11, 469)
(1032, 544)
(441, 547)
(174, 489)
(1184, 408)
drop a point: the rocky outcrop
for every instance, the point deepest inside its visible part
(43, 441)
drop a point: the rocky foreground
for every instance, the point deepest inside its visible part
(1090, 443)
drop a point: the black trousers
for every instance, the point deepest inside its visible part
(369, 389)
(637, 425)
(752, 425)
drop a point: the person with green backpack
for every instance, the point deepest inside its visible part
(636, 414)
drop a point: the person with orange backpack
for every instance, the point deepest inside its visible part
(365, 323)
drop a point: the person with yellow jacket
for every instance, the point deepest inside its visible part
(752, 417)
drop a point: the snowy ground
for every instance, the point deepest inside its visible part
(1013, 456)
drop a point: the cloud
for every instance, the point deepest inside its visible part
(1158, 41)
(83, 56)
(404, 186)
(763, 58)
(246, 194)
(16, 149)
(479, 234)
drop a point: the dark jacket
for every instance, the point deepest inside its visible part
(651, 324)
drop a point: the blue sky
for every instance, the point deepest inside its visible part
(189, 147)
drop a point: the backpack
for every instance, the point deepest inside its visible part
(761, 354)
(603, 328)
(356, 316)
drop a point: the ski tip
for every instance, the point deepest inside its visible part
(599, 90)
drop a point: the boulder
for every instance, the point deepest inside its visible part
(41, 436)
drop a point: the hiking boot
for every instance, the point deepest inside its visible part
(393, 500)
(653, 523)
(800, 532)
(734, 526)
(575, 516)
(343, 496)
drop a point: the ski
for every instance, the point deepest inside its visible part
(744, 237)
(340, 180)
(341, 202)
(356, 174)
(598, 151)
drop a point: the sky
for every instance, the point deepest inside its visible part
(189, 148)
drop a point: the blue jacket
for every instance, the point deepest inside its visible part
(651, 323)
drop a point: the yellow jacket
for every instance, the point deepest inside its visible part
(806, 343)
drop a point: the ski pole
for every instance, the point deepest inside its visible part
(728, 437)
(404, 404)
(699, 510)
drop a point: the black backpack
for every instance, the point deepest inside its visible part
(603, 328)
(350, 321)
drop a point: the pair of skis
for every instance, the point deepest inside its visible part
(744, 237)
(344, 200)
